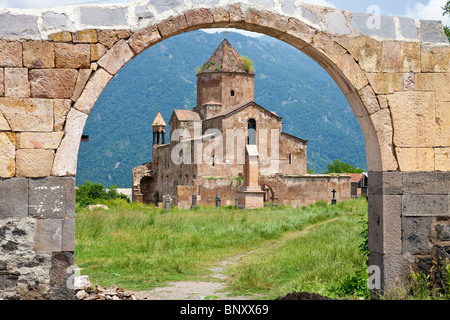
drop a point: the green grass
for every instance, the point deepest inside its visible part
(138, 247)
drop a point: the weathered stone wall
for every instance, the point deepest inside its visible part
(298, 190)
(37, 238)
(54, 64)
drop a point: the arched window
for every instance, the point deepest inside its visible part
(232, 93)
(251, 131)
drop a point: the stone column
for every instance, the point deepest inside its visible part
(406, 209)
(251, 196)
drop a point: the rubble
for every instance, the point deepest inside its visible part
(85, 291)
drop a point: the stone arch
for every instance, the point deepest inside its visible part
(396, 80)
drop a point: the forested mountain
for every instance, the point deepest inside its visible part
(163, 77)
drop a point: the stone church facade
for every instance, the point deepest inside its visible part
(204, 153)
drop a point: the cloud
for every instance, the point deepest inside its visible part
(430, 11)
(323, 3)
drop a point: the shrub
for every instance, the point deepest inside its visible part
(90, 192)
(247, 63)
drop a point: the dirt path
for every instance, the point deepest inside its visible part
(216, 288)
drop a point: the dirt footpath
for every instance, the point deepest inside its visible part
(216, 288)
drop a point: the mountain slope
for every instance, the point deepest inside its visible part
(163, 77)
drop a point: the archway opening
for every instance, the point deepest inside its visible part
(164, 50)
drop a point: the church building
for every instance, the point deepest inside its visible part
(204, 152)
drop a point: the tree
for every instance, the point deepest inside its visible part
(446, 9)
(337, 166)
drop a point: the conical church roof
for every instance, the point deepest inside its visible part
(225, 59)
(159, 121)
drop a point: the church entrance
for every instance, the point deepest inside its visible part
(148, 189)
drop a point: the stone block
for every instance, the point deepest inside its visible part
(38, 140)
(61, 274)
(142, 13)
(413, 118)
(10, 54)
(435, 59)
(386, 83)
(415, 159)
(385, 224)
(72, 56)
(64, 36)
(65, 163)
(172, 26)
(68, 234)
(19, 25)
(328, 47)
(391, 56)
(336, 22)
(109, 37)
(236, 14)
(298, 34)
(382, 124)
(92, 91)
(38, 54)
(443, 232)
(385, 183)
(85, 36)
(61, 108)
(416, 235)
(144, 38)
(221, 15)
(98, 16)
(426, 205)
(13, 198)
(431, 31)
(16, 83)
(408, 28)
(352, 71)
(53, 83)
(442, 159)
(51, 198)
(369, 99)
(372, 25)
(270, 23)
(116, 57)
(48, 236)
(28, 114)
(164, 5)
(426, 182)
(442, 124)
(97, 51)
(437, 82)
(199, 17)
(52, 20)
(365, 50)
(7, 155)
(83, 77)
(394, 269)
(409, 57)
(34, 163)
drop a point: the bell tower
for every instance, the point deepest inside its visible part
(159, 130)
(225, 81)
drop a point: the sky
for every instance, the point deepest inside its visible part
(421, 9)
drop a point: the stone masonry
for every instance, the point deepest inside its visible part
(54, 64)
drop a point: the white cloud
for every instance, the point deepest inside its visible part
(430, 11)
(323, 3)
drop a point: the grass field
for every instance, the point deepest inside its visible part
(139, 248)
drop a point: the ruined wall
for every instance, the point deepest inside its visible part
(298, 190)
